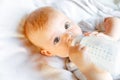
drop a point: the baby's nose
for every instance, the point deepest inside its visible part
(68, 38)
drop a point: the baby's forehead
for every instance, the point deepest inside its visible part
(56, 18)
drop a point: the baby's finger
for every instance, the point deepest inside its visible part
(94, 33)
(84, 48)
(73, 48)
(87, 34)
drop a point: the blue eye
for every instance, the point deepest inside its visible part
(56, 40)
(67, 25)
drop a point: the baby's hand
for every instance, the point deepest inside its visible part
(98, 34)
(91, 33)
(80, 56)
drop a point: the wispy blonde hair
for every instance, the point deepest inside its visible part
(37, 20)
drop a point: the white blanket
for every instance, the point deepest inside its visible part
(17, 62)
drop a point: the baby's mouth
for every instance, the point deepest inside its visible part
(70, 40)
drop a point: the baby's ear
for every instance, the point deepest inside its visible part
(45, 52)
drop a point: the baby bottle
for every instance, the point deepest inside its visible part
(104, 52)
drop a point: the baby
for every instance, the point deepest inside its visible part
(52, 32)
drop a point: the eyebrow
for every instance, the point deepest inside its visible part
(52, 37)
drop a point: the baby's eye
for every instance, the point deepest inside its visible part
(67, 25)
(56, 40)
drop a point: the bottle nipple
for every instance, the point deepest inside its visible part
(77, 40)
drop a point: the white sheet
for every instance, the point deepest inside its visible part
(16, 61)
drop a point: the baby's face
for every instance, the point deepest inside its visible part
(57, 36)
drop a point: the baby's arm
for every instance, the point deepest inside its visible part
(112, 27)
(80, 56)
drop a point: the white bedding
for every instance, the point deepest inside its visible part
(17, 61)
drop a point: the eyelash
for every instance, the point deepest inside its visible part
(56, 40)
(67, 25)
